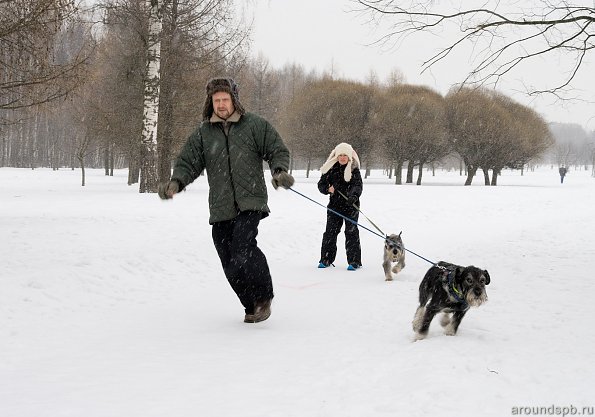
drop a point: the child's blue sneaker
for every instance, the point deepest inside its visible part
(353, 267)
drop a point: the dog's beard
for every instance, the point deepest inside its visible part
(396, 256)
(393, 256)
(474, 300)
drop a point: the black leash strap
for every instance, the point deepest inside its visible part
(361, 212)
(356, 223)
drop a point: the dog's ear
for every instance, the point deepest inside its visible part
(400, 233)
(487, 275)
(459, 274)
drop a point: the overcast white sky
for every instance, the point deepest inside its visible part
(324, 35)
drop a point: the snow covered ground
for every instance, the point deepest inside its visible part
(114, 304)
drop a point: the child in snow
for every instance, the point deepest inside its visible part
(342, 180)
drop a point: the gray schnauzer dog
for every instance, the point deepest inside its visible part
(450, 289)
(394, 256)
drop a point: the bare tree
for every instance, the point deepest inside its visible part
(148, 171)
(260, 89)
(27, 95)
(491, 131)
(306, 125)
(504, 34)
(409, 122)
(572, 144)
(324, 113)
(474, 120)
(291, 80)
(533, 138)
(199, 40)
(34, 67)
(430, 139)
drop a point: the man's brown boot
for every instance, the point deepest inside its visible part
(262, 311)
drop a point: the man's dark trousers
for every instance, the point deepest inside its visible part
(244, 264)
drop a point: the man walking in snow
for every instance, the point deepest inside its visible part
(562, 171)
(231, 144)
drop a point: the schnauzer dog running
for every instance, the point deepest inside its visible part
(394, 255)
(450, 289)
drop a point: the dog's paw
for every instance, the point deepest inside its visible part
(387, 278)
(449, 330)
(445, 320)
(418, 319)
(419, 336)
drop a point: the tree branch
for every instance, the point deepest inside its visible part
(556, 26)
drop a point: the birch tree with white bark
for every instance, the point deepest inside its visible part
(148, 174)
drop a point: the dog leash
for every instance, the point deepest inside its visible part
(386, 237)
(357, 224)
(361, 212)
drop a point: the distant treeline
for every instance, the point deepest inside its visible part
(80, 102)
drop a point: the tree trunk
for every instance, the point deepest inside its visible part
(106, 160)
(133, 170)
(81, 160)
(495, 173)
(148, 172)
(410, 167)
(420, 172)
(486, 176)
(471, 170)
(399, 172)
(34, 137)
(3, 152)
(165, 136)
(112, 159)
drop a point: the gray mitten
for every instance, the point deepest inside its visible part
(282, 179)
(166, 190)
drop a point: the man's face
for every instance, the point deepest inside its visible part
(222, 104)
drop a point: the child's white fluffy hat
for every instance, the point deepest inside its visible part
(342, 149)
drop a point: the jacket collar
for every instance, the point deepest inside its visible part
(234, 118)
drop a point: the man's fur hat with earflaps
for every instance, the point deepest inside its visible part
(333, 158)
(227, 85)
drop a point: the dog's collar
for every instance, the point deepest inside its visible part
(455, 293)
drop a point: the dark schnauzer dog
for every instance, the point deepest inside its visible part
(449, 288)
(394, 253)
